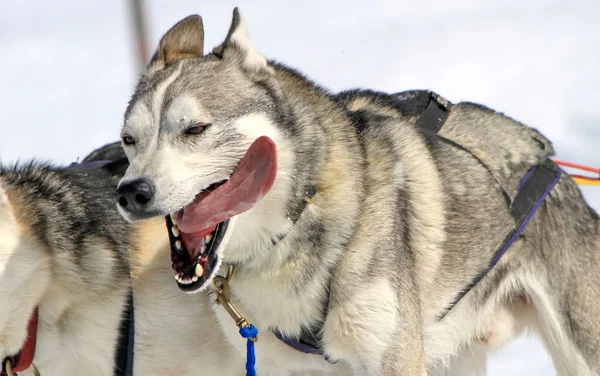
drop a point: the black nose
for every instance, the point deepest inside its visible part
(133, 196)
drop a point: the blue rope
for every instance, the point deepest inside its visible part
(250, 333)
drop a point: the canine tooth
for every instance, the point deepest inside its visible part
(178, 244)
(175, 231)
(195, 278)
(202, 249)
(208, 238)
(173, 219)
(199, 270)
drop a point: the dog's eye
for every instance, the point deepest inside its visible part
(196, 128)
(128, 140)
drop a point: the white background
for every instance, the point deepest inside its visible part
(67, 70)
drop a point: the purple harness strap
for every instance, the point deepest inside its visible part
(534, 187)
(298, 344)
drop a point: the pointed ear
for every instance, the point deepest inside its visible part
(237, 46)
(183, 41)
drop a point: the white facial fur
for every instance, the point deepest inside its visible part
(158, 156)
(180, 169)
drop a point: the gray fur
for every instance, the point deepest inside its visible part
(399, 226)
(65, 249)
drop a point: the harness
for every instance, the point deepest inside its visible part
(533, 188)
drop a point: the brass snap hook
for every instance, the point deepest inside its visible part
(9, 371)
(220, 286)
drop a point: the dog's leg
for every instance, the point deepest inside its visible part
(375, 333)
(471, 361)
(24, 275)
(569, 333)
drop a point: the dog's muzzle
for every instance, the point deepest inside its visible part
(134, 196)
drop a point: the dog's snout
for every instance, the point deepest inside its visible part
(135, 195)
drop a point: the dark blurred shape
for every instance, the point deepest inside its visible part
(108, 152)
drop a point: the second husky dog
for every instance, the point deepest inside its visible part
(350, 231)
(67, 262)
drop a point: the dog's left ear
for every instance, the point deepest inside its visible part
(183, 41)
(237, 46)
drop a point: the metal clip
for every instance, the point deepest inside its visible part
(9, 371)
(220, 286)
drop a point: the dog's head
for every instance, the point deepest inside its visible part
(206, 146)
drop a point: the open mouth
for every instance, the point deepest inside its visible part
(197, 232)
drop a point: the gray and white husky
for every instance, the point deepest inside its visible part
(69, 259)
(346, 224)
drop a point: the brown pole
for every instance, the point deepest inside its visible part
(140, 31)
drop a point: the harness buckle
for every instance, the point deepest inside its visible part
(9, 371)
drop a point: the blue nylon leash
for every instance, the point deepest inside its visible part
(250, 333)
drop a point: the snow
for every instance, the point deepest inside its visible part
(68, 69)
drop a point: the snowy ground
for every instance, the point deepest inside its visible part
(67, 70)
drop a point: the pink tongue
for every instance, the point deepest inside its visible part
(250, 182)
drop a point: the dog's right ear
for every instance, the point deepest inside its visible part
(237, 46)
(185, 40)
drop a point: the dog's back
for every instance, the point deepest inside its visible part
(560, 246)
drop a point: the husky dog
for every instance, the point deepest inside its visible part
(69, 259)
(346, 224)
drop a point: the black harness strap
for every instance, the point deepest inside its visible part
(535, 186)
(124, 351)
(435, 115)
(431, 122)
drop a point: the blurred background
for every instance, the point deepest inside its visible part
(68, 69)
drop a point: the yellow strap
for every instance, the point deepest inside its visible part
(586, 181)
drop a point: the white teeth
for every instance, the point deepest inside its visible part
(202, 249)
(195, 278)
(173, 219)
(178, 244)
(199, 270)
(208, 238)
(183, 281)
(175, 231)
